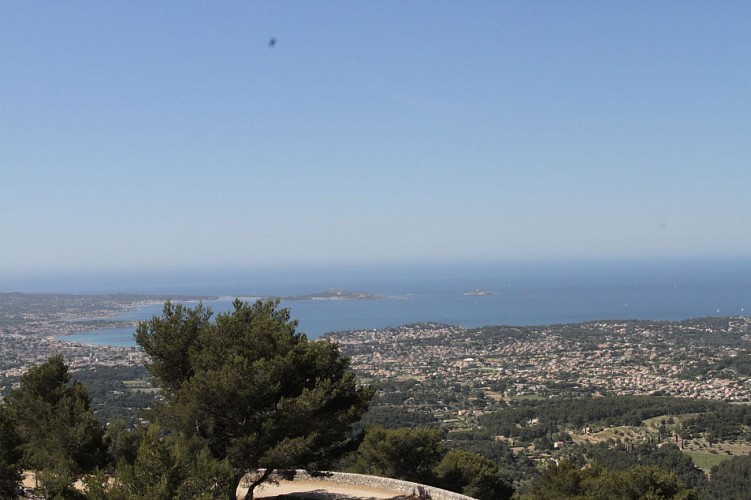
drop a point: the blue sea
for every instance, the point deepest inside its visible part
(520, 294)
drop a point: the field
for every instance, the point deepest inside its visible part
(705, 461)
(704, 454)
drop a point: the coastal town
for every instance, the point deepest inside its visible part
(33, 327)
(484, 367)
(448, 371)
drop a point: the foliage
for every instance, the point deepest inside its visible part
(252, 389)
(111, 398)
(10, 456)
(514, 467)
(169, 467)
(559, 480)
(59, 432)
(725, 422)
(567, 480)
(472, 475)
(667, 457)
(420, 455)
(408, 454)
(57, 486)
(731, 480)
(394, 416)
(727, 367)
(122, 442)
(554, 416)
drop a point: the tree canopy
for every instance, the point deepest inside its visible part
(473, 475)
(58, 432)
(420, 455)
(10, 455)
(408, 454)
(731, 479)
(568, 480)
(253, 390)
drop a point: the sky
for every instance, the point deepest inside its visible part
(173, 135)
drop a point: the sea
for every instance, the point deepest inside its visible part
(528, 293)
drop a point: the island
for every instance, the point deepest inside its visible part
(336, 294)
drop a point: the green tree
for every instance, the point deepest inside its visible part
(59, 433)
(408, 454)
(558, 480)
(472, 475)
(652, 482)
(667, 457)
(567, 480)
(10, 456)
(122, 442)
(167, 467)
(731, 479)
(253, 390)
(642, 482)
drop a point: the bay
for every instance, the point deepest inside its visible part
(518, 296)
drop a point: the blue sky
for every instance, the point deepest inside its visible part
(153, 135)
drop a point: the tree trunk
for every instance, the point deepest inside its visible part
(249, 495)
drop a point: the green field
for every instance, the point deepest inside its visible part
(706, 461)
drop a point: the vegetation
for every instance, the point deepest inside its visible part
(241, 392)
(59, 436)
(471, 474)
(10, 456)
(723, 423)
(516, 468)
(249, 388)
(408, 454)
(731, 480)
(420, 455)
(532, 419)
(118, 392)
(164, 468)
(568, 480)
(667, 457)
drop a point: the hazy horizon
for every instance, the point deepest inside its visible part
(388, 278)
